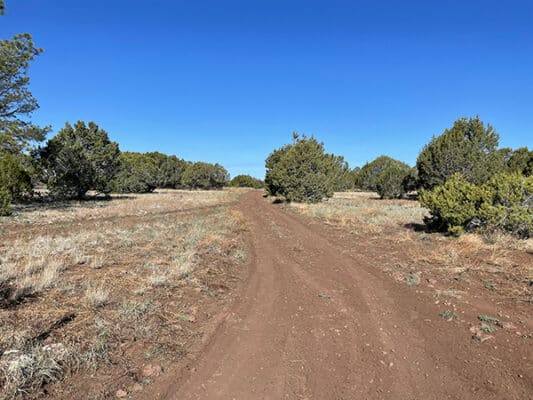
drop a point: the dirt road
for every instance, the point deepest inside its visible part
(316, 321)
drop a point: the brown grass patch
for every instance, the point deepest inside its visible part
(149, 259)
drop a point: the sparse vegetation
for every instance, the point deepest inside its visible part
(487, 328)
(486, 318)
(448, 315)
(50, 269)
(115, 265)
(96, 296)
(409, 253)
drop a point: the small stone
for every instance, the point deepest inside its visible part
(152, 370)
(121, 394)
(508, 325)
(485, 338)
(137, 388)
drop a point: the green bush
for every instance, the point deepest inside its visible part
(5, 202)
(369, 175)
(13, 177)
(521, 161)
(468, 148)
(137, 173)
(410, 181)
(201, 175)
(511, 204)
(303, 172)
(504, 203)
(247, 181)
(453, 205)
(390, 183)
(170, 169)
(79, 158)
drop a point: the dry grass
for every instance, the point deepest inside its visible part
(96, 295)
(95, 259)
(167, 201)
(26, 371)
(365, 212)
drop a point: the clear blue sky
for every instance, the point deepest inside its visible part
(228, 81)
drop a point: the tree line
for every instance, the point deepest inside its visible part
(81, 157)
(462, 176)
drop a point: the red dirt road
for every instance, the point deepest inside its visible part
(315, 321)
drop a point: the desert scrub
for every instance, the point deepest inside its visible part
(505, 203)
(134, 309)
(364, 211)
(26, 370)
(143, 244)
(96, 295)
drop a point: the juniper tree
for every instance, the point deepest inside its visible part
(304, 172)
(468, 148)
(79, 158)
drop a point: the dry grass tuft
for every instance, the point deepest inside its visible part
(25, 371)
(96, 295)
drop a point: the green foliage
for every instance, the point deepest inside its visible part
(342, 177)
(78, 159)
(390, 183)
(504, 203)
(170, 170)
(487, 328)
(5, 202)
(138, 173)
(521, 161)
(510, 205)
(448, 314)
(13, 177)
(16, 101)
(410, 181)
(247, 181)
(201, 175)
(368, 176)
(303, 172)
(468, 148)
(144, 172)
(453, 205)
